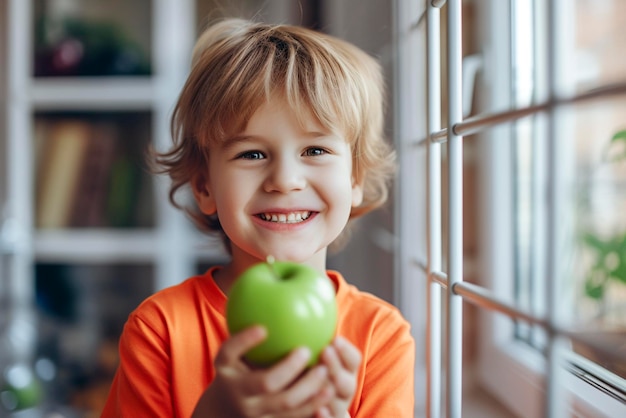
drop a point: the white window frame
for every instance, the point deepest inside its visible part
(409, 120)
(506, 366)
(511, 371)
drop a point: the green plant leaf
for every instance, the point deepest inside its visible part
(620, 271)
(619, 135)
(618, 138)
(596, 243)
(594, 290)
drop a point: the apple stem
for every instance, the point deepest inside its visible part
(270, 262)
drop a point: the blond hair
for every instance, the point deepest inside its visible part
(237, 65)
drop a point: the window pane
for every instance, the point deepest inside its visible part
(597, 56)
(593, 163)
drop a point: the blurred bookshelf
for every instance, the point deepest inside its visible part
(86, 231)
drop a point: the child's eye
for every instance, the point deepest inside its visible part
(313, 152)
(251, 155)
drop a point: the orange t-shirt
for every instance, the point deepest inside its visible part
(170, 341)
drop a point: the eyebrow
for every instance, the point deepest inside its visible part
(230, 142)
(238, 139)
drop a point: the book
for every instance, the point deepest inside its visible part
(89, 205)
(121, 201)
(62, 154)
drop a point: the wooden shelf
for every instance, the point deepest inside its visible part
(95, 245)
(93, 93)
(110, 245)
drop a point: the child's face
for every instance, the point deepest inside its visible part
(279, 188)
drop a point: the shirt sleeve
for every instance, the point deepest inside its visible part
(388, 389)
(141, 387)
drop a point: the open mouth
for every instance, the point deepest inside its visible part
(286, 218)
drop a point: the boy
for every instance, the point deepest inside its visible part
(278, 133)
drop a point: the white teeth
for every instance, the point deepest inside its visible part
(289, 218)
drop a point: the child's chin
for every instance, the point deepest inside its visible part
(290, 255)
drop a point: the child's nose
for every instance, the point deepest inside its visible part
(285, 175)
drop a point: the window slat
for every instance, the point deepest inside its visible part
(480, 122)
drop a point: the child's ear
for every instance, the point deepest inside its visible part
(202, 194)
(357, 192)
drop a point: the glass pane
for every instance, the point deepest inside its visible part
(598, 270)
(597, 55)
(592, 164)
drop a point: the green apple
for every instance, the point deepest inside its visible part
(294, 302)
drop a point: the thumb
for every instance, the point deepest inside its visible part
(238, 344)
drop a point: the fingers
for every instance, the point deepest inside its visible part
(323, 412)
(288, 389)
(342, 360)
(303, 395)
(350, 355)
(311, 390)
(235, 347)
(313, 383)
(286, 371)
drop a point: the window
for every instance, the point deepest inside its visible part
(551, 240)
(589, 172)
(582, 179)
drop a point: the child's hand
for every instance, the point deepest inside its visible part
(343, 360)
(286, 390)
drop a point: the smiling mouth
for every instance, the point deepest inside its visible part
(286, 218)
